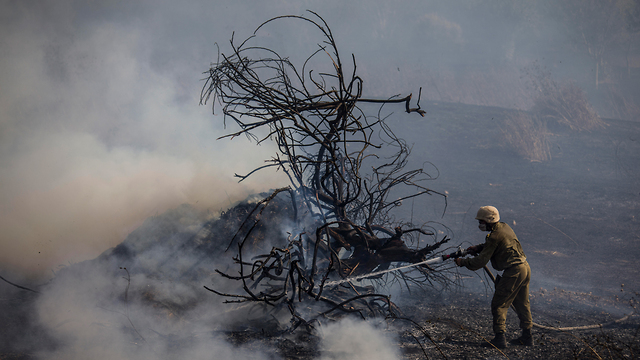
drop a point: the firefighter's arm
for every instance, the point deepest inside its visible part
(475, 249)
(471, 250)
(482, 258)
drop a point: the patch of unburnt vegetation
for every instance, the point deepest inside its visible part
(556, 105)
(565, 103)
(527, 135)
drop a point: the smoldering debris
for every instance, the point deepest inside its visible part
(144, 298)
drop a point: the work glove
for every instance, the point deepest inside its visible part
(475, 249)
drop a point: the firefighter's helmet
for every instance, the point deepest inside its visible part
(488, 214)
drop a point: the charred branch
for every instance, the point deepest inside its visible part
(344, 185)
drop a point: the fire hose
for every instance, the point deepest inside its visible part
(461, 253)
(438, 259)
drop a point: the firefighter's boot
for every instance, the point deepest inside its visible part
(500, 341)
(526, 339)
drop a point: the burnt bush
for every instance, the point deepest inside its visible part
(348, 174)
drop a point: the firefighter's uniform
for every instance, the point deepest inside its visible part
(503, 249)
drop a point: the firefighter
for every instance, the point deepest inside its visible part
(502, 247)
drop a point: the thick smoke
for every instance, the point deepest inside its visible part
(357, 340)
(92, 312)
(138, 301)
(93, 317)
(101, 129)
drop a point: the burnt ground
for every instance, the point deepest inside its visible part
(459, 328)
(576, 216)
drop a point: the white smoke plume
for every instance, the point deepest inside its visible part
(100, 129)
(98, 316)
(357, 340)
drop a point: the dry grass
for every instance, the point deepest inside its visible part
(556, 104)
(568, 106)
(565, 104)
(527, 135)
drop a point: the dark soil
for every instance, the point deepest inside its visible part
(461, 329)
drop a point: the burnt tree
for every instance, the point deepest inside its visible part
(343, 188)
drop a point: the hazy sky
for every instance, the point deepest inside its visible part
(100, 125)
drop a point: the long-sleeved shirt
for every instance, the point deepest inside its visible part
(501, 247)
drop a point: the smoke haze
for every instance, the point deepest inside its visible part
(357, 340)
(101, 128)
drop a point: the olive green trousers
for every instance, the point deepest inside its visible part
(512, 288)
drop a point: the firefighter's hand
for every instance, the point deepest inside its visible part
(458, 261)
(473, 249)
